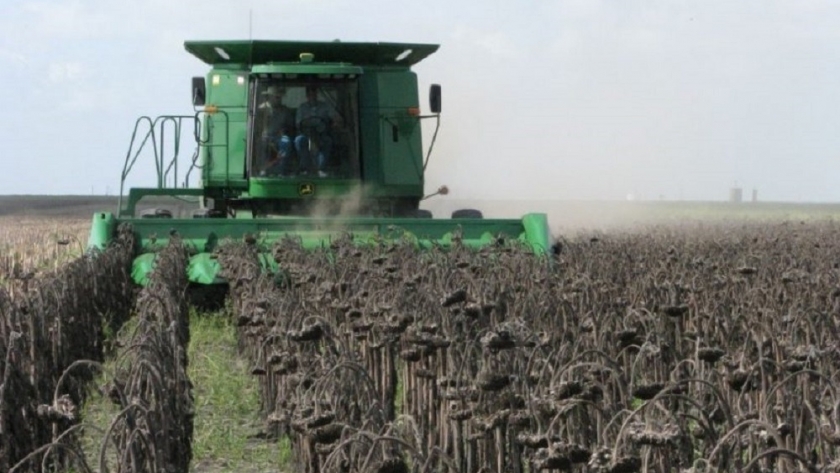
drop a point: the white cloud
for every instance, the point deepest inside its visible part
(65, 72)
(13, 58)
(497, 43)
(71, 19)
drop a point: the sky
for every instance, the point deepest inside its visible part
(542, 100)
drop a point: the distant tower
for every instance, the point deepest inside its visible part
(736, 195)
(755, 195)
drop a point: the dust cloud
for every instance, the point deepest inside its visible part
(568, 218)
(564, 217)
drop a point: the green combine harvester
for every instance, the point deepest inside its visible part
(301, 139)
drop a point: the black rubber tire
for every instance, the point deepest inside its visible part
(207, 213)
(423, 213)
(156, 213)
(467, 213)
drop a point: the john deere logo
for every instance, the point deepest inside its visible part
(306, 188)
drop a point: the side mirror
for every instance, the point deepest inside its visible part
(199, 91)
(434, 98)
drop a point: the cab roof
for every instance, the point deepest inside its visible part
(251, 52)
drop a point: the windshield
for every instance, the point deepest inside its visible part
(305, 128)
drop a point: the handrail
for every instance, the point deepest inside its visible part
(129, 161)
(224, 145)
(155, 132)
(193, 165)
(166, 167)
(173, 163)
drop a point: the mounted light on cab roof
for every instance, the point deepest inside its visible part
(403, 55)
(222, 53)
(306, 57)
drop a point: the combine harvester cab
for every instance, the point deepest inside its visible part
(309, 140)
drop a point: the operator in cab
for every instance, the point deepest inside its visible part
(278, 125)
(314, 144)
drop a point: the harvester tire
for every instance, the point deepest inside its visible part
(208, 213)
(156, 213)
(467, 213)
(423, 213)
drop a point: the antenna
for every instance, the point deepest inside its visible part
(250, 23)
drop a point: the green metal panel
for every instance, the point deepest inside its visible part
(386, 96)
(102, 230)
(295, 188)
(370, 128)
(224, 155)
(302, 187)
(219, 52)
(401, 145)
(227, 88)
